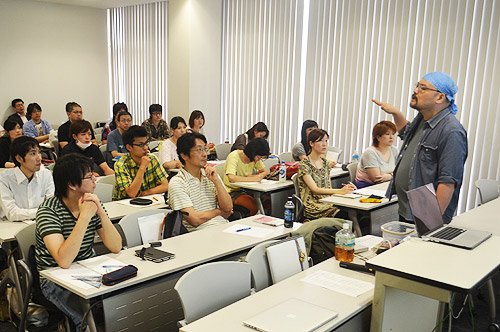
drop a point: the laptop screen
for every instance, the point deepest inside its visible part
(425, 208)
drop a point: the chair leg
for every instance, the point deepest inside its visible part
(492, 307)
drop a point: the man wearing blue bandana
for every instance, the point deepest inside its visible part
(434, 145)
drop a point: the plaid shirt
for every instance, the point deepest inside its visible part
(126, 169)
(156, 134)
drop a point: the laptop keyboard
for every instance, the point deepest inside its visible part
(448, 233)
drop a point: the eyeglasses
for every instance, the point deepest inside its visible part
(77, 112)
(90, 177)
(141, 145)
(201, 150)
(126, 120)
(423, 88)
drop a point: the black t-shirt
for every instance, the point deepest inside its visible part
(63, 132)
(91, 152)
(5, 144)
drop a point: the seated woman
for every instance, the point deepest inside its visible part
(314, 178)
(259, 130)
(156, 127)
(299, 150)
(246, 166)
(378, 161)
(80, 132)
(12, 131)
(196, 122)
(168, 152)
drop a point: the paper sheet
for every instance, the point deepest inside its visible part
(369, 240)
(159, 199)
(368, 192)
(102, 264)
(332, 156)
(68, 275)
(150, 227)
(352, 196)
(249, 230)
(338, 283)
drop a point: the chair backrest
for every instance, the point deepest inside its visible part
(222, 150)
(55, 143)
(104, 191)
(261, 275)
(154, 144)
(287, 157)
(352, 171)
(220, 169)
(98, 138)
(335, 149)
(25, 238)
(130, 226)
(109, 179)
(488, 190)
(270, 162)
(212, 286)
(299, 204)
(284, 258)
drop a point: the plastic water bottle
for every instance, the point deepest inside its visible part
(282, 175)
(290, 213)
(355, 156)
(227, 140)
(344, 244)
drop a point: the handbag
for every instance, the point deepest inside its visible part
(117, 276)
(291, 168)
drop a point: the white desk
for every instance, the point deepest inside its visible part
(483, 217)
(415, 278)
(379, 213)
(125, 303)
(117, 210)
(231, 317)
(279, 191)
(8, 230)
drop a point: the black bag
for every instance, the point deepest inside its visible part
(172, 224)
(323, 244)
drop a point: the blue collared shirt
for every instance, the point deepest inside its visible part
(438, 158)
(29, 128)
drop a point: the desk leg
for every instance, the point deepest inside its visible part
(355, 224)
(256, 196)
(400, 304)
(90, 317)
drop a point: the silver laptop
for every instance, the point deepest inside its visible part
(291, 315)
(429, 221)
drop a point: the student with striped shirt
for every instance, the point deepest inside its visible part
(65, 228)
(197, 189)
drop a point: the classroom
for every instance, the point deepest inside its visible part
(280, 62)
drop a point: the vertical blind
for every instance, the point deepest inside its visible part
(138, 57)
(261, 64)
(359, 50)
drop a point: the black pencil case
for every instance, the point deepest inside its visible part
(117, 276)
(141, 201)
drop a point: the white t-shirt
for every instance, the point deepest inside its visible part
(168, 151)
(371, 159)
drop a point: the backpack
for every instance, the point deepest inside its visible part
(172, 224)
(323, 244)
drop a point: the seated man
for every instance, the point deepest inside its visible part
(65, 228)
(37, 127)
(20, 116)
(24, 188)
(138, 173)
(197, 188)
(115, 146)
(75, 113)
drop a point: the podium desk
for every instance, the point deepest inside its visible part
(414, 279)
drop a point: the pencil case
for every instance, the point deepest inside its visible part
(141, 201)
(117, 276)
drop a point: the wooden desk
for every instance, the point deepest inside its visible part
(378, 213)
(414, 279)
(149, 298)
(483, 217)
(353, 312)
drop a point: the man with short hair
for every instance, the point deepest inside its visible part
(20, 116)
(138, 173)
(24, 188)
(75, 113)
(115, 146)
(197, 189)
(37, 127)
(65, 229)
(435, 145)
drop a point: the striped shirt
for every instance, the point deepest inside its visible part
(184, 190)
(126, 169)
(53, 217)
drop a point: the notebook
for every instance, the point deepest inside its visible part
(291, 315)
(271, 221)
(429, 222)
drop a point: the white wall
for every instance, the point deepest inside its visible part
(52, 54)
(195, 31)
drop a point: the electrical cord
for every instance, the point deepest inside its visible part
(85, 315)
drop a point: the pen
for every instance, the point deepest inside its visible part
(155, 198)
(243, 229)
(111, 266)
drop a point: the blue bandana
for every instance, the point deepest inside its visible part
(445, 84)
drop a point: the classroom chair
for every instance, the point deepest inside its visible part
(222, 151)
(299, 204)
(287, 257)
(207, 288)
(128, 226)
(488, 190)
(109, 179)
(261, 275)
(55, 143)
(154, 144)
(104, 191)
(335, 149)
(220, 170)
(352, 171)
(287, 157)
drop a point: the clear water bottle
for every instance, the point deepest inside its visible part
(282, 174)
(344, 244)
(355, 156)
(227, 140)
(290, 213)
